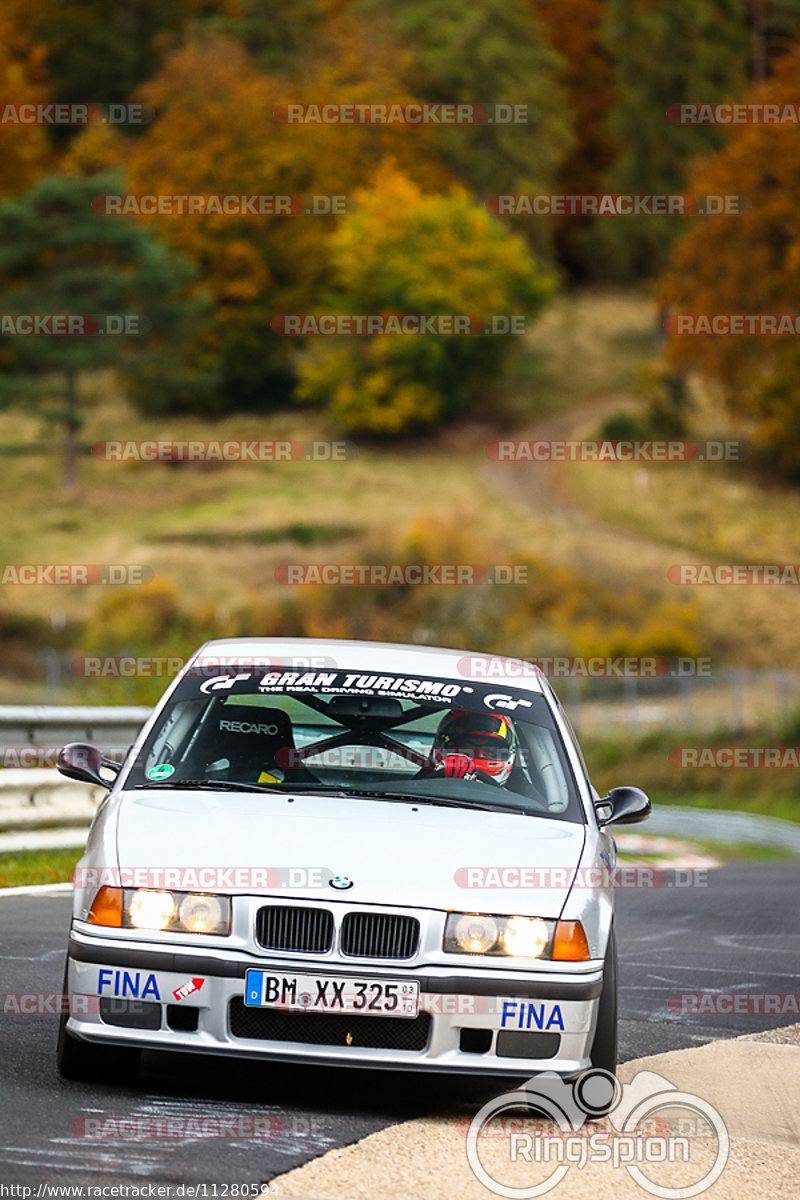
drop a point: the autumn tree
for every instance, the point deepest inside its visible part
(216, 133)
(98, 52)
(575, 31)
(775, 26)
(404, 251)
(493, 52)
(24, 150)
(279, 37)
(749, 263)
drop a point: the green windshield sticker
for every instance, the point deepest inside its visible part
(162, 771)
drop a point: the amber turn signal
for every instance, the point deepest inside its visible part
(569, 944)
(106, 907)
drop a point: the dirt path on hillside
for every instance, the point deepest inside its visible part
(573, 534)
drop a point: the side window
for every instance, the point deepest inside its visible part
(547, 765)
(572, 735)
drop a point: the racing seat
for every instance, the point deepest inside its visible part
(242, 741)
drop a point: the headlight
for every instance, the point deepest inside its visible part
(514, 937)
(151, 908)
(474, 934)
(525, 937)
(202, 914)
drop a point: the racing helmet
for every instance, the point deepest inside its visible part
(487, 739)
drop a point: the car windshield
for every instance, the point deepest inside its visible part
(387, 736)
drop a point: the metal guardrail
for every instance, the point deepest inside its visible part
(32, 791)
(28, 723)
(33, 794)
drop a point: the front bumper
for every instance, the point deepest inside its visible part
(472, 1021)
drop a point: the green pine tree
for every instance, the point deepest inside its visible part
(59, 256)
(664, 54)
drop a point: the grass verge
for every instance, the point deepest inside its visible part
(23, 868)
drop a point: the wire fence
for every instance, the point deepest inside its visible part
(730, 699)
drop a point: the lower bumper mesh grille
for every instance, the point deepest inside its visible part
(325, 1029)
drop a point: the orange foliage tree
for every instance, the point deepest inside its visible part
(24, 149)
(215, 133)
(749, 263)
(574, 28)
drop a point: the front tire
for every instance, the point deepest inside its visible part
(604, 1047)
(87, 1062)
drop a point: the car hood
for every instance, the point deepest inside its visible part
(395, 853)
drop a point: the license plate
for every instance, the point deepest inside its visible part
(332, 994)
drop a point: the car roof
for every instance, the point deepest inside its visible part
(372, 658)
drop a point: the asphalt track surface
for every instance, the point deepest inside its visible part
(739, 934)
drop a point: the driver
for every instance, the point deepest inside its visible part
(467, 742)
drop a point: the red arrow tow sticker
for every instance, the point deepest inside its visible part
(186, 989)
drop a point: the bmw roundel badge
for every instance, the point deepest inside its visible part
(340, 882)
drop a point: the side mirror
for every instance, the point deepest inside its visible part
(81, 761)
(623, 806)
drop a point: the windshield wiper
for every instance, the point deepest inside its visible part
(229, 785)
(424, 798)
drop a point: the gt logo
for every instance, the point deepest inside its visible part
(222, 682)
(503, 700)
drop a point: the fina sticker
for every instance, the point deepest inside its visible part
(162, 771)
